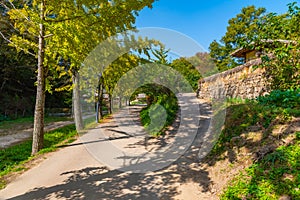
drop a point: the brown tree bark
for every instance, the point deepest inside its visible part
(76, 102)
(109, 104)
(38, 126)
(100, 98)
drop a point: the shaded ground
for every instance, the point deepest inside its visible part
(73, 173)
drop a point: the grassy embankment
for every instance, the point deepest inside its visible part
(267, 129)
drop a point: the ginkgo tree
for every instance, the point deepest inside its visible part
(66, 30)
(109, 62)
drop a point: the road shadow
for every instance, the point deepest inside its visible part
(103, 183)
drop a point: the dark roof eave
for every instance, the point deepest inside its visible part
(240, 53)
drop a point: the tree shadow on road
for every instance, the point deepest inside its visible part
(103, 183)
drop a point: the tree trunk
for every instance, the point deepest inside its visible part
(100, 98)
(120, 102)
(109, 104)
(38, 126)
(76, 102)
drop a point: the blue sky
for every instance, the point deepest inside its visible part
(202, 20)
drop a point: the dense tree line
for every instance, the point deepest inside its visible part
(55, 31)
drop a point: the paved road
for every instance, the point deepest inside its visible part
(98, 165)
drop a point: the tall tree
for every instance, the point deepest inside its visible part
(65, 25)
(278, 37)
(115, 71)
(239, 32)
(188, 70)
(38, 126)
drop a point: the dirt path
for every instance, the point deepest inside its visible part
(25, 134)
(90, 169)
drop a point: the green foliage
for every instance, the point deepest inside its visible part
(67, 31)
(203, 63)
(12, 156)
(16, 76)
(239, 117)
(284, 99)
(298, 135)
(275, 175)
(242, 114)
(281, 59)
(53, 138)
(117, 69)
(187, 70)
(168, 101)
(276, 36)
(161, 55)
(240, 31)
(138, 102)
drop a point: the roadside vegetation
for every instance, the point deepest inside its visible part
(275, 176)
(152, 115)
(265, 132)
(26, 122)
(262, 135)
(15, 158)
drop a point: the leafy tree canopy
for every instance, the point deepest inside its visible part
(281, 53)
(276, 36)
(239, 30)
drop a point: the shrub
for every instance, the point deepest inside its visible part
(279, 98)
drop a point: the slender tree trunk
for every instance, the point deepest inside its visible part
(100, 98)
(109, 104)
(76, 102)
(120, 102)
(38, 127)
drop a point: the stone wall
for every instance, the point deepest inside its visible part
(243, 81)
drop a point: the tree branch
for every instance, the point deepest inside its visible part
(9, 41)
(12, 4)
(66, 19)
(4, 5)
(50, 35)
(6, 39)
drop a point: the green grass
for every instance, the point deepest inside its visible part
(274, 176)
(242, 114)
(28, 121)
(18, 154)
(13, 158)
(139, 102)
(277, 173)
